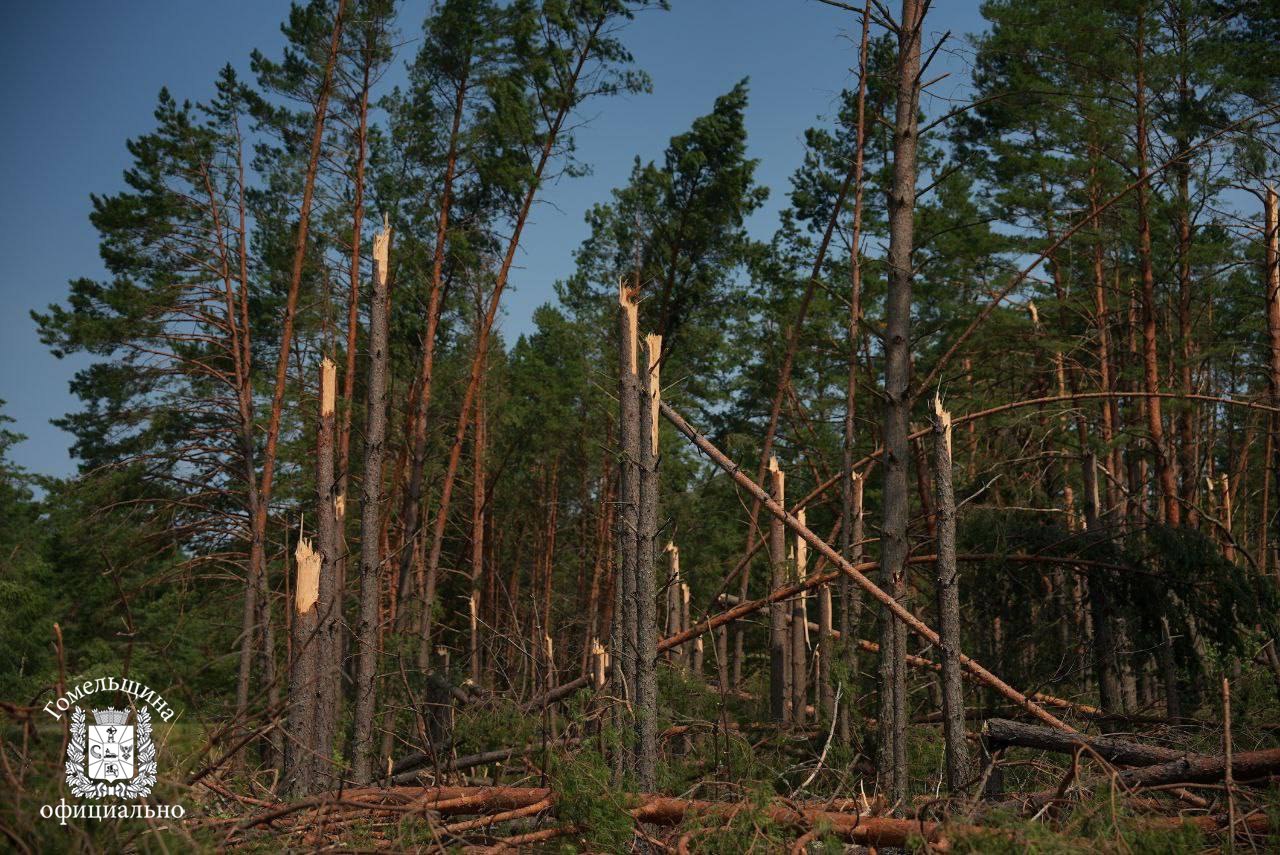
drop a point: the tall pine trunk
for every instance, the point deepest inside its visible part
(897, 376)
(367, 627)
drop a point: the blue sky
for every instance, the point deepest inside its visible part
(79, 77)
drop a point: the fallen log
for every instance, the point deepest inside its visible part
(1204, 769)
(1000, 731)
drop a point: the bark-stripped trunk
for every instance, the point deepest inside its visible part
(897, 348)
(256, 619)
(367, 627)
(953, 730)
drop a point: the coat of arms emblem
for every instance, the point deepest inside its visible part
(111, 757)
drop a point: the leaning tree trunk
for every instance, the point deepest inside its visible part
(370, 518)
(897, 375)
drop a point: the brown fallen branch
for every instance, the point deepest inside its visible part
(823, 548)
(1000, 732)
(1204, 769)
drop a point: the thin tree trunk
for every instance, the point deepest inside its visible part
(897, 348)
(479, 358)
(1271, 276)
(367, 628)
(953, 731)
(330, 603)
(778, 640)
(477, 535)
(1170, 510)
(799, 635)
(411, 513)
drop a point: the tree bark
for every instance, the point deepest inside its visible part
(329, 605)
(1271, 277)
(623, 636)
(478, 440)
(779, 644)
(1104, 641)
(999, 731)
(301, 759)
(646, 593)
(799, 636)
(1170, 508)
(367, 628)
(953, 730)
(892, 767)
(850, 484)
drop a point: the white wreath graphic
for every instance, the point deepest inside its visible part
(137, 788)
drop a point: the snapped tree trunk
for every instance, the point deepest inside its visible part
(953, 732)
(301, 758)
(622, 638)
(646, 589)
(367, 627)
(329, 642)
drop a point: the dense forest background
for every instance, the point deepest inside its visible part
(1090, 290)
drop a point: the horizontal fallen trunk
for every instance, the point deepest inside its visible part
(1000, 731)
(1201, 769)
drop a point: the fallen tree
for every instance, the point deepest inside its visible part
(1204, 769)
(1001, 732)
